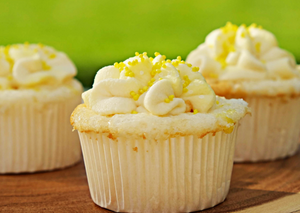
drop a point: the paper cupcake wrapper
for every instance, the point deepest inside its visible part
(37, 137)
(181, 174)
(272, 132)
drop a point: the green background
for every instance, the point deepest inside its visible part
(96, 33)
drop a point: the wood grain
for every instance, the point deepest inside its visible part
(258, 187)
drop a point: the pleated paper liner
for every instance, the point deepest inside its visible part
(181, 174)
(38, 137)
(272, 132)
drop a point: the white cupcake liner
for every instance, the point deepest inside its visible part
(38, 137)
(272, 132)
(181, 174)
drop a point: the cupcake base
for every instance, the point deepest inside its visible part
(38, 137)
(181, 174)
(272, 132)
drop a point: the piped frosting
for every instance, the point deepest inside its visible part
(243, 53)
(143, 84)
(30, 65)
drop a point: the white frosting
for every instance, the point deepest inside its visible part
(4, 83)
(154, 99)
(4, 71)
(27, 65)
(144, 85)
(4, 66)
(243, 53)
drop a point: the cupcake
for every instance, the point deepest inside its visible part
(37, 96)
(155, 137)
(246, 62)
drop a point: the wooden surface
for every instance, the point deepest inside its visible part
(261, 187)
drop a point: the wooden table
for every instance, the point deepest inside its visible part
(260, 187)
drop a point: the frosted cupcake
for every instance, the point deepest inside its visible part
(155, 137)
(246, 62)
(37, 96)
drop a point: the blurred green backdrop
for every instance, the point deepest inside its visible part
(96, 33)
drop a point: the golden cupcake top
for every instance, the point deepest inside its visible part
(32, 65)
(143, 84)
(223, 116)
(243, 53)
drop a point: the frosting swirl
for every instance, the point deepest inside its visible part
(27, 65)
(142, 84)
(243, 53)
